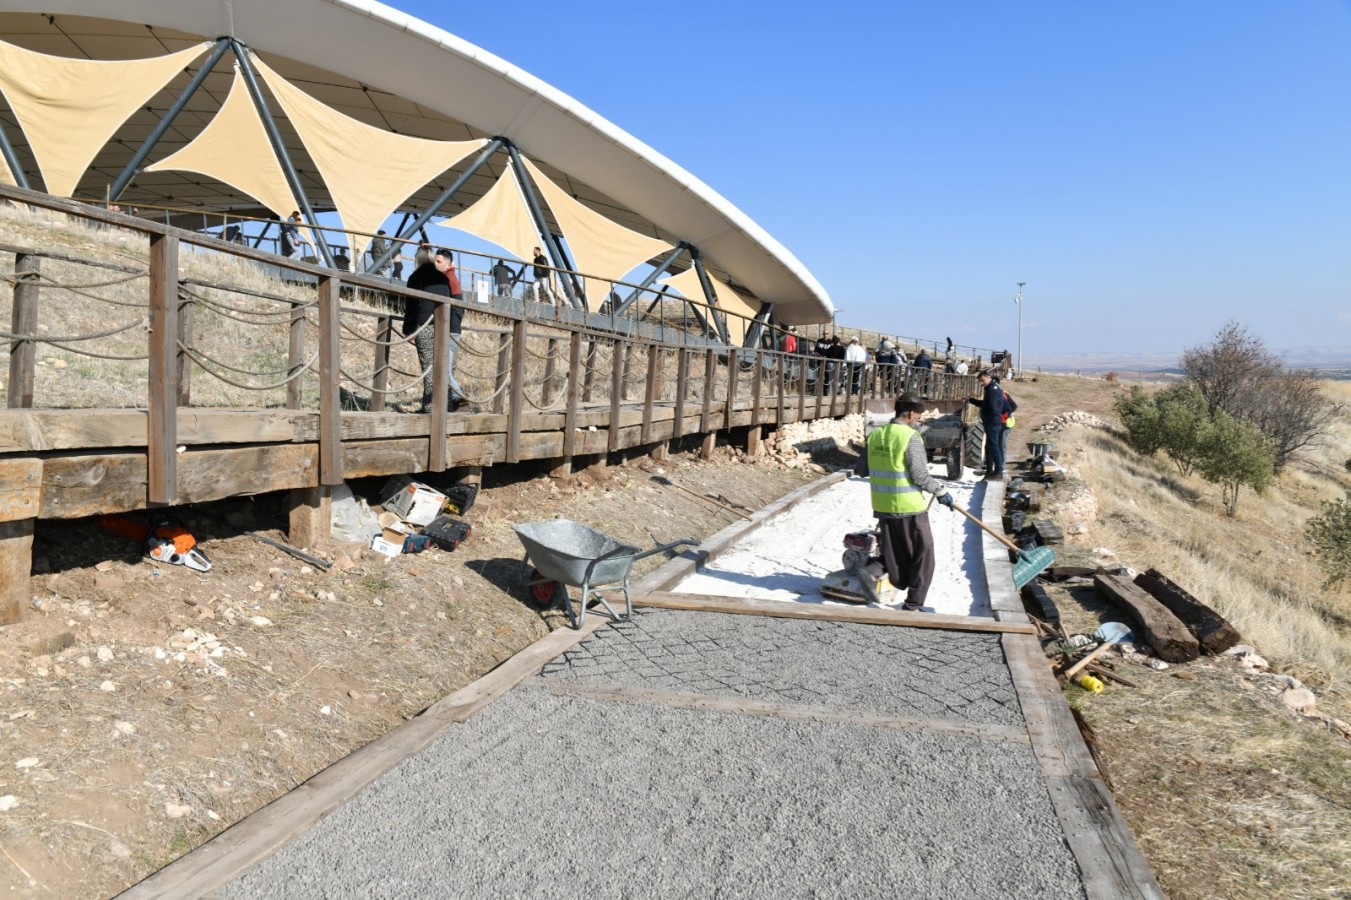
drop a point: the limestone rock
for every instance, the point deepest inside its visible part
(1301, 700)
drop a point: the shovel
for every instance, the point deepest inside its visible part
(1030, 564)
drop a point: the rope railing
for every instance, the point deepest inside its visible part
(206, 365)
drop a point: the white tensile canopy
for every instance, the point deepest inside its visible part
(400, 76)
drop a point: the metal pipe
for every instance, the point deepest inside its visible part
(279, 147)
(537, 213)
(710, 296)
(758, 325)
(656, 273)
(405, 232)
(13, 160)
(129, 172)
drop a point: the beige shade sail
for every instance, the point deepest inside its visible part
(500, 216)
(69, 108)
(6, 176)
(234, 148)
(687, 282)
(600, 247)
(368, 171)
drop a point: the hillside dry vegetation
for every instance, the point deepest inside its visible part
(1229, 793)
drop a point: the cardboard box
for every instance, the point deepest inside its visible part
(388, 548)
(412, 501)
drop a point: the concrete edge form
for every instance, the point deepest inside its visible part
(255, 837)
(1109, 859)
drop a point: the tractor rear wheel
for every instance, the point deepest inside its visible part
(954, 461)
(973, 446)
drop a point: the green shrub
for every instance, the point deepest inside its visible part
(1140, 416)
(1330, 533)
(1183, 424)
(1233, 453)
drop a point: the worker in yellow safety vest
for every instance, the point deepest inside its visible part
(898, 469)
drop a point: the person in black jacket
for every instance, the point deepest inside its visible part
(430, 276)
(992, 417)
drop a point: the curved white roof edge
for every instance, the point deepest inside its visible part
(304, 30)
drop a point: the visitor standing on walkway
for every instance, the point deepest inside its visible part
(430, 276)
(292, 237)
(992, 418)
(855, 356)
(543, 291)
(898, 469)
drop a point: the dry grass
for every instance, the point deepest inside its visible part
(1229, 793)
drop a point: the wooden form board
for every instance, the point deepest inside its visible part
(750, 606)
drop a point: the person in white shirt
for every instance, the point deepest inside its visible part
(855, 356)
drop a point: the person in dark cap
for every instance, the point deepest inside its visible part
(898, 469)
(991, 404)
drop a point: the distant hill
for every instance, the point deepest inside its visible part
(1334, 362)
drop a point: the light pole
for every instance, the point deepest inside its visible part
(1019, 300)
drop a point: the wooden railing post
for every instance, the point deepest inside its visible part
(783, 385)
(436, 428)
(517, 408)
(620, 357)
(295, 357)
(733, 376)
(682, 387)
(503, 372)
(589, 380)
(330, 403)
(547, 396)
(23, 353)
(710, 375)
(185, 337)
(757, 373)
(573, 389)
(162, 425)
(384, 334)
(650, 400)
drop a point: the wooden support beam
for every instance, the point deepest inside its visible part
(682, 389)
(311, 521)
(162, 422)
(653, 383)
(708, 446)
(733, 379)
(384, 334)
(1211, 629)
(753, 435)
(751, 606)
(710, 373)
(550, 370)
(23, 353)
(620, 357)
(503, 372)
(20, 488)
(802, 389)
(16, 568)
(185, 339)
(295, 357)
(573, 388)
(439, 413)
(1151, 620)
(330, 401)
(757, 376)
(517, 408)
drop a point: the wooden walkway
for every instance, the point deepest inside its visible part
(556, 385)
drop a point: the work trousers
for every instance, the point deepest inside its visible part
(908, 554)
(994, 449)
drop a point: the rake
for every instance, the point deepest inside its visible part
(1030, 564)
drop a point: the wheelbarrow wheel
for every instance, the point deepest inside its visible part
(543, 592)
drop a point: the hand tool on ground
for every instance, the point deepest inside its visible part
(165, 542)
(669, 483)
(1109, 633)
(312, 560)
(1030, 564)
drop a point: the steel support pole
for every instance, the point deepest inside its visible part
(659, 271)
(129, 172)
(758, 325)
(406, 232)
(13, 160)
(279, 147)
(710, 296)
(537, 213)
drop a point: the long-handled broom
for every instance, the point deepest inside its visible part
(1030, 564)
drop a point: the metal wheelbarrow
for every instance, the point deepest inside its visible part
(565, 553)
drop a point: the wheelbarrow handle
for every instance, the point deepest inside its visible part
(662, 548)
(591, 566)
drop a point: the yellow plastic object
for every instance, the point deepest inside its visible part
(1090, 684)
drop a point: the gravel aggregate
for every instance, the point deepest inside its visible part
(546, 796)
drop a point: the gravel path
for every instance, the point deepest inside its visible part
(786, 559)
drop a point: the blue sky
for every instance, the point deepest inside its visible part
(1150, 169)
